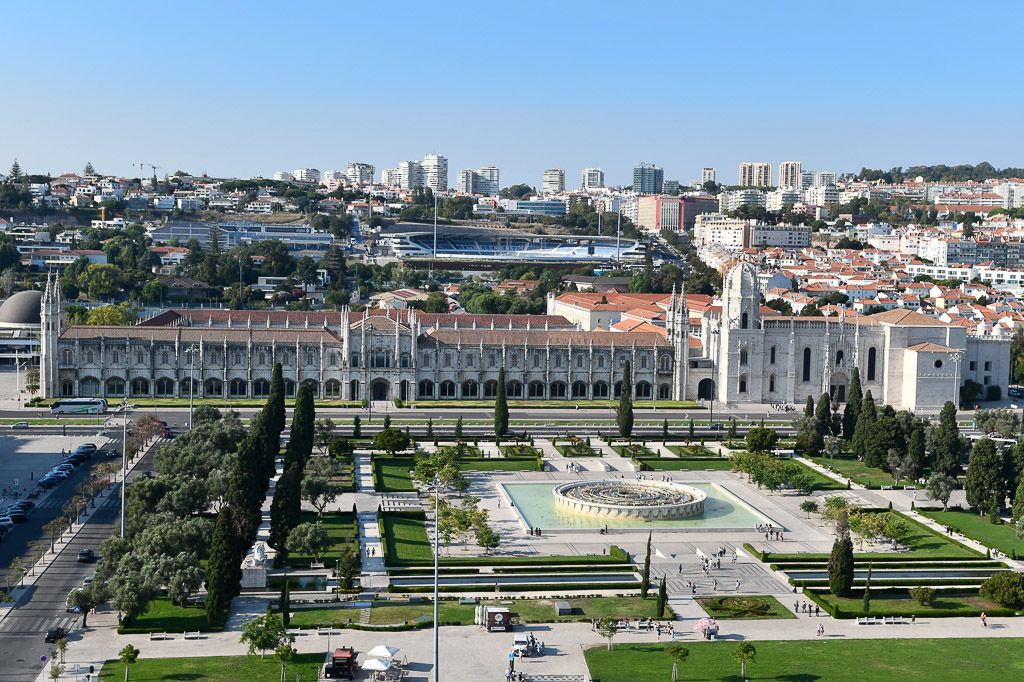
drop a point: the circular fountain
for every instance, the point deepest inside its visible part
(641, 500)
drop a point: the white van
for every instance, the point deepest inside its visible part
(520, 645)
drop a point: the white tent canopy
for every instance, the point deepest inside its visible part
(376, 665)
(382, 651)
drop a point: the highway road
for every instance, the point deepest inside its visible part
(43, 605)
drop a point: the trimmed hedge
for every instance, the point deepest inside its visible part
(915, 582)
(521, 587)
(887, 565)
(836, 612)
(566, 569)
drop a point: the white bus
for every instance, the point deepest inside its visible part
(79, 406)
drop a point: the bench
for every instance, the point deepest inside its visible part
(563, 608)
(464, 601)
(325, 631)
(556, 678)
(314, 564)
(193, 635)
(415, 599)
(153, 636)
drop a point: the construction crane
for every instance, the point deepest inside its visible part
(154, 169)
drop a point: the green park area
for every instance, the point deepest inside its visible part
(856, 470)
(211, 669)
(162, 615)
(995, 535)
(817, 659)
(391, 474)
(451, 612)
(898, 602)
(343, 530)
(670, 464)
(744, 608)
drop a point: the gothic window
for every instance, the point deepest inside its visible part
(215, 357)
(515, 360)
(772, 356)
(139, 358)
(743, 384)
(426, 360)
(491, 360)
(600, 362)
(355, 359)
(405, 359)
(447, 360)
(263, 358)
(469, 361)
(116, 357)
(771, 384)
(334, 362)
(643, 362)
(872, 357)
(558, 361)
(745, 321)
(579, 360)
(284, 359)
(68, 357)
(310, 360)
(666, 363)
(839, 358)
(743, 356)
(536, 359)
(165, 357)
(807, 365)
(88, 357)
(238, 358)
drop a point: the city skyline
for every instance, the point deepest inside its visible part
(189, 101)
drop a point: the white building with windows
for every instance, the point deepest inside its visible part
(593, 178)
(553, 181)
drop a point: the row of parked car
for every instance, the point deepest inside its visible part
(64, 470)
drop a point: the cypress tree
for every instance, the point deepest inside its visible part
(840, 562)
(357, 430)
(500, 407)
(1018, 502)
(867, 590)
(809, 407)
(984, 485)
(625, 412)
(947, 443)
(285, 604)
(916, 451)
(300, 442)
(286, 508)
(275, 402)
(662, 599)
(645, 584)
(224, 571)
(853, 400)
(823, 414)
(865, 423)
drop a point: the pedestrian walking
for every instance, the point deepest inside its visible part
(715, 582)
(796, 606)
(984, 621)
(737, 585)
(680, 569)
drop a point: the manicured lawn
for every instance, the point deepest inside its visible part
(693, 451)
(669, 464)
(634, 451)
(499, 465)
(519, 451)
(212, 669)
(341, 526)
(164, 616)
(568, 451)
(897, 602)
(744, 608)
(997, 536)
(567, 404)
(406, 539)
(827, 659)
(821, 481)
(391, 474)
(858, 471)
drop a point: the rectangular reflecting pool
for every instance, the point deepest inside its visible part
(535, 503)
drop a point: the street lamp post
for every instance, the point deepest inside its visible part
(433, 256)
(191, 382)
(124, 455)
(437, 536)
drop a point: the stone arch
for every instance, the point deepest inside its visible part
(447, 389)
(380, 389)
(644, 390)
(213, 388)
(470, 389)
(600, 389)
(425, 389)
(140, 387)
(664, 392)
(536, 389)
(579, 389)
(260, 388)
(115, 386)
(558, 389)
(514, 389)
(491, 389)
(706, 389)
(237, 388)
(332, 388)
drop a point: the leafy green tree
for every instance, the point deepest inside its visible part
(458, 428)
(984, 484)
(155, 292)
(885, 435)
(1005, 587)
(128, 655)
(678, 653)
(1018, 502)
(348, 567)
(624, 414)
(761, 439)
(391, 440)
(606, 627)
(309, 538)
(357, 430)
(840, 562)
(88, 598)
(266, 633)
(205, 413)
(940, 487)
(284, 655)
(809, 507)
(318, 486)
(809, 407)
(744, 653)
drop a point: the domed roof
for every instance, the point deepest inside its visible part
(22, 309)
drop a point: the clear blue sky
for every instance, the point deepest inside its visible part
(247, 88)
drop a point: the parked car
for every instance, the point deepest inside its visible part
(717, 427)
(53, 634)
(85, 555)
(167, 434)
(19, 425)
(17, 515)
(86, 448)
(49, 481)
(24, 505)
(5, 522)
(88, 581)
(110, 454)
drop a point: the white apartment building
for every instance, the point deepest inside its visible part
(389, 177)
(283, 176)
(755, 174)
(360, 173)
(813, 178)
(484, 181)
(306, 174)
(782, 236)
(553, 181)
(821, 195)
(334, 176)
(716, 228)
(732, 201)
(789, 174)
(411, 175)
(785, 194)
(593, 178)
(435, 169)
(707, 175)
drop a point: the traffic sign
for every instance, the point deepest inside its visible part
(78, 609)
